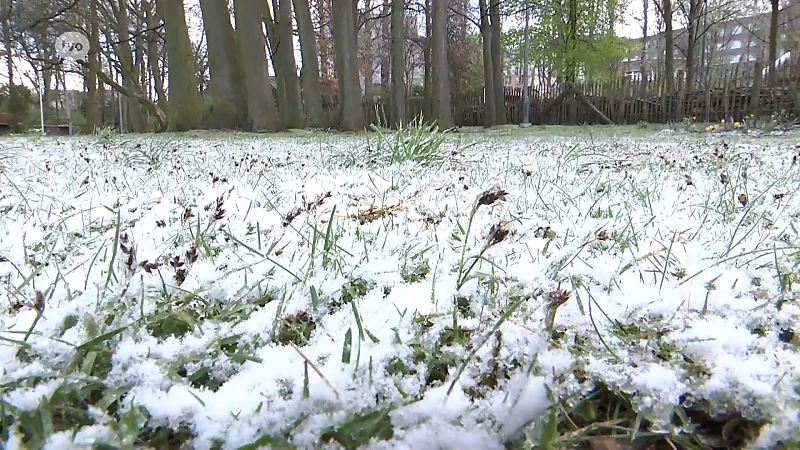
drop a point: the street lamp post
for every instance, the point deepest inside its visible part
(526, 98)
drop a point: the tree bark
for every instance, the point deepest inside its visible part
(428, 108)
(488, 72)
(312, 90)
(386, 46)
(7, 6)
(497, 62)
(130, 78)
(143, 99)
(692, 24)
(184, 98)
(441, 72)
(92, 105)
(153, 55)
(351, 112)
(323, 12)
(261, 107)
(228, 104)
(669, 57)
(398, 62)
(294, 100)
(772, 56)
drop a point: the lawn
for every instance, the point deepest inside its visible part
(596, 288)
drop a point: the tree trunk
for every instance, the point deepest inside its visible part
(398, 62)
(293, 109)
(386, 46)
(497, 62)
(669, 43)
(7, 6)
(262, 111)
(351, 112)
(772, 56)
(312, 90)
(669, 58)
(228, 104)
(368, 53)
(488, 73)
(139, 96)
(323, 12)
(153, 55)
(184, 98)
(691, 66)
(441, 72)
(92, 104)
(124, 52)
(272, 42)
(426, 55)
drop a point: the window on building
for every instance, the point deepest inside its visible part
(720, 46)
(751, 44)
(633, 76)
(736, 44)
(751, 57)
(737, 30)
(735, 58)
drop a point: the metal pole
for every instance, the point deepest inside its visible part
(41, 99)
(67, 102)
(526, 98)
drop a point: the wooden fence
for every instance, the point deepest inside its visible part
(719, 94)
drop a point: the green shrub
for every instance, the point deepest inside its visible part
(17, 101)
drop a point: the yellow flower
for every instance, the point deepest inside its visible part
(710, 127)
(737, 124)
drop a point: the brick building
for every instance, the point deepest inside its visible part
(739, 40)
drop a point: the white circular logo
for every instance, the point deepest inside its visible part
(72, 45)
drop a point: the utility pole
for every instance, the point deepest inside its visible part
(526, 85)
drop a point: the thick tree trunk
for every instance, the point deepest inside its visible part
(262, 111)
(272, 42)
(426, 56)
(312, 90)
(136, 120)
(488, 72)
(441, 72)
(294, 100)
(669, 57)
(184, 98)
(227, 92)
(398, 62)
(497, 62)
(351, 112)
(772, 56)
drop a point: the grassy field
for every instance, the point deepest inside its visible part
(595, 288)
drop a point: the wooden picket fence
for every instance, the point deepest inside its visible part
(729, 93)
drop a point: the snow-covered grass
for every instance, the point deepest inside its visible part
(503, 291)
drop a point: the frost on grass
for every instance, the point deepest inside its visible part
(294, 292)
